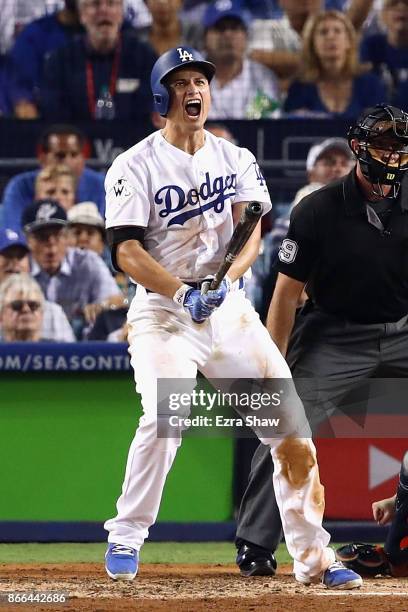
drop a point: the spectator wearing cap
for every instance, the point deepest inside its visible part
(14, 259)
(77, 279)
(387, 50)
(86, 230)
(102, 74)
(326, 161)
(241, 88)
(58, 144)
(21, 309)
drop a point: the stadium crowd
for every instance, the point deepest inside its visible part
(64, 61)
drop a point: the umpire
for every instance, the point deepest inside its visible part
(347, 244)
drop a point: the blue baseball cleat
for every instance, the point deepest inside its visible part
(339, 577)
(121, 562)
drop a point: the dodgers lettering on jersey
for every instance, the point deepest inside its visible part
(217, 191)
(184, 201)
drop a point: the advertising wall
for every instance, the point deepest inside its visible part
(66, 425)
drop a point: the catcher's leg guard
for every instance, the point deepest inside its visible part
(396, 545)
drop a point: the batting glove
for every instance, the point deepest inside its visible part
(191, 300)
(215, 297)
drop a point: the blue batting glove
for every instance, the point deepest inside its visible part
(194, 303)
(215, 297)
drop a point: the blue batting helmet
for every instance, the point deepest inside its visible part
(180, 57)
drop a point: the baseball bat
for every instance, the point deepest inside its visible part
(242, 231)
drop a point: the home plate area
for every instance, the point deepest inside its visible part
(191, 588)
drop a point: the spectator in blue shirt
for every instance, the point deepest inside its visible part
(102, 74)
(332, 82)
(27, 56)
(77, 279)
(57, 144)
(14, 259)
(388, 50)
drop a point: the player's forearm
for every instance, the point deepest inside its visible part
(146, 271)
(247, 256)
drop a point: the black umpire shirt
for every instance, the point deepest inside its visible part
(354, 268)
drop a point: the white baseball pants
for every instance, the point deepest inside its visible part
(232, 343)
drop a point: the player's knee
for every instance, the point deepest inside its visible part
(297, 458)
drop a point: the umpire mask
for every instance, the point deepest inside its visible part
(382, 134)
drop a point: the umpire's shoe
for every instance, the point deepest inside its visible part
(254, 560)
(121, 562)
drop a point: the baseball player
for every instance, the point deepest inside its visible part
(172, 201)
(346, 244)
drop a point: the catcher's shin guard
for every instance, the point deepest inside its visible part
(396, 545)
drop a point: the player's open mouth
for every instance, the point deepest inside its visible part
(193, 107)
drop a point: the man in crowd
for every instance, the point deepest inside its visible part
(77, 279)
(14, 259)
(86, 228)
(29, 51)
(326, 161)
(21, 309)
(57, 144)
(241, 88)
(103, 74)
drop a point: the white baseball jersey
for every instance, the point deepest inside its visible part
(184, 201)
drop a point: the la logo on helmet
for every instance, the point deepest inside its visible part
(185, 56)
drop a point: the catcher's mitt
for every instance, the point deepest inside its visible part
(365, 559)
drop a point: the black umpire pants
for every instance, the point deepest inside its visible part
(328, 357)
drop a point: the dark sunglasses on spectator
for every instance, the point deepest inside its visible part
(18, 305)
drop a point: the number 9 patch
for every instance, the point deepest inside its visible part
(288, 251)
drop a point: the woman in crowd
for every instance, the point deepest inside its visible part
(331, 81)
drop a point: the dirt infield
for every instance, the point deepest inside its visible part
(191, 588)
